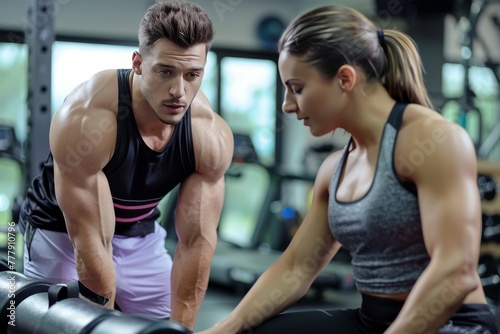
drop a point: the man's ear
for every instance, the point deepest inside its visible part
(136, 63)
(347, 78)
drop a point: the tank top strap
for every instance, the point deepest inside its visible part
(124, 93)
(336, 176)
(396, 116)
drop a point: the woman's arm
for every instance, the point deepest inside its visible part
(289, 278)
(446, 179)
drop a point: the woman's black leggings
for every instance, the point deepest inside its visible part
(374, 316)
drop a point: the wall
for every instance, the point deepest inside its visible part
(234, 20)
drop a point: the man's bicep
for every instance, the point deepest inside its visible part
(199, 207)
(86, 203)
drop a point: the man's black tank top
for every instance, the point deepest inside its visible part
(138, 176)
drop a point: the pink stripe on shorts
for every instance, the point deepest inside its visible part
(142, 267)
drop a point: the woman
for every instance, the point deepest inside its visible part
(402, 196)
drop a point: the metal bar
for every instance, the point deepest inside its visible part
(39, 36)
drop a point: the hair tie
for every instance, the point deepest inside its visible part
(381, 38)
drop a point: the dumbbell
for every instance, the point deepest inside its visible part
(488, 270)
(487, 187)
(14, 289)
(73, 316)
(30, 312)
(491, 229)
(69, 314)
(31, 305)
(4, 265)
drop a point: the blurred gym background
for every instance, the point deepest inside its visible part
(47, 47)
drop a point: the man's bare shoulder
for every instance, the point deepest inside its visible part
(205, 118)
(89, 103)
(86, 120)
(201, 109)
(100, 91)
(212, 137)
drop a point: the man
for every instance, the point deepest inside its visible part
(119, 143)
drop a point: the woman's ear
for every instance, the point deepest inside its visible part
(136, 63)
(347, 78)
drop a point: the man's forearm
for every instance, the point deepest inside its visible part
(190, 274)
(97, 272)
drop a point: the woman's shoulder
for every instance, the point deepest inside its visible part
(424, 124)
(326, 172)
(428, 141)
